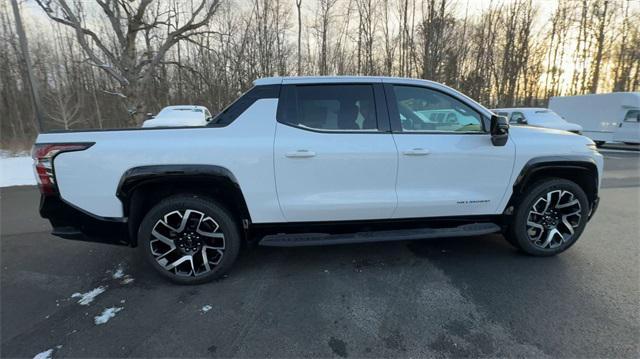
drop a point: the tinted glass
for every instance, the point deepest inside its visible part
(334, 107)
(422, 109)
(632, 116)
(235, 109)
(517, 117)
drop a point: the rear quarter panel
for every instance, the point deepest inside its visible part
(89, 179)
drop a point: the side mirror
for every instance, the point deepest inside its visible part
(523, 121)
(499, 130)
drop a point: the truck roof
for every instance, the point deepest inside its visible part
(528, 109)
(180, 107)
(297, 80)
(338, 79)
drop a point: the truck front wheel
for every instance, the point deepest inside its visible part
(189, 239)
(550, 217)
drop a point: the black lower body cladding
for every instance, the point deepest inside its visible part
(69, 222)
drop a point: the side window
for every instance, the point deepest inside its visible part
(235, 109)
(423, 109)
(632, 116)
(333, 108)
(517, 117)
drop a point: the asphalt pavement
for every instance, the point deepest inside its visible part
(462, 297)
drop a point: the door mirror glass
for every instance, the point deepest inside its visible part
(499, 130)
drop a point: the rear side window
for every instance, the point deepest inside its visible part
(236, 109)
(332, 108)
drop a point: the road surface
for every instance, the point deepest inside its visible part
(472, 296)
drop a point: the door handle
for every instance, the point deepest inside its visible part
(416, 152)
(300, 154)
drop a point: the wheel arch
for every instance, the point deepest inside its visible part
(141, 188)
(581, 170)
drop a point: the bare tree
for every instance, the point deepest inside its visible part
(122, 63)
(100, 60)
(601, 15)
(299, 7)
(64, 109)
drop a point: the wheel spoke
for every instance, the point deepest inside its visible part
(534, 208)
(535, 225)
(205, 259)
(174, 265)
(216, 235)
(193, 216)
(550, 236)
(167, 219)
(567, 225)
(568, 204)
(160, 254)
(162, 238)
(548, 202)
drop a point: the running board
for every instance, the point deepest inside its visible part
(323, 239)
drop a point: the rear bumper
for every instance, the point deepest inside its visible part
(69, 222)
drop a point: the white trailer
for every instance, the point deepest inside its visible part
(604, 117)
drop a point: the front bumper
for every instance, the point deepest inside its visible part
(69, 222)
(594, 207)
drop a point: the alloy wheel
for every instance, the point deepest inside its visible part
(187, 243)
(553, 218)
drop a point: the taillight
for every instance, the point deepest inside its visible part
(43, 155)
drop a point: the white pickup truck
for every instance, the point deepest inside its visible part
(315, 161)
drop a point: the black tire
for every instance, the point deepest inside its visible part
(631, 143)
(210, 214)
(523, 236)
(599, 143)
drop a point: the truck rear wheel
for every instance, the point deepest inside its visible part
(550, 217)
(189, 239)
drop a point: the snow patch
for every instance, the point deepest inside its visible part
(16, 169)
(106, 315)
(206, 308)
(119, 273)
(44, 355)
(127, 279)
(88, 297)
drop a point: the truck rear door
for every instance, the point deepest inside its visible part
(334, 156)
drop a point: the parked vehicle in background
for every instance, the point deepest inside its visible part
(603, 117)
(316, 161)
(537, 117)
(179, 116)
